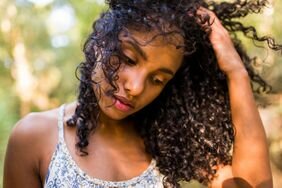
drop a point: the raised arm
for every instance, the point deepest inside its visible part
(250, 162)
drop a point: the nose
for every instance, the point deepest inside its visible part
(134, 84)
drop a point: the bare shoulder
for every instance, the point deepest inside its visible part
(32, 138)
(34, 127)
(35, 136)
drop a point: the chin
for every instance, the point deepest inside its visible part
(115, 115)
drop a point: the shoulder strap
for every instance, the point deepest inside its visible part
(61, 123)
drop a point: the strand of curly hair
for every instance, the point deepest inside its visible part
(187, 129)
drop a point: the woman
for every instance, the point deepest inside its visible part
(164, 96)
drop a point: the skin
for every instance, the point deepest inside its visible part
(250, 165)
(143, 75)
(34, 138)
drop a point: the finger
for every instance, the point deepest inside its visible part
(205, 13)
(205, 19)
(213, 26)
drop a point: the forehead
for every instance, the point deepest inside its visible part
(158, 50)
(153, 37)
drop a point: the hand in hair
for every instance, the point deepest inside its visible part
(228, 58)
(250, 166)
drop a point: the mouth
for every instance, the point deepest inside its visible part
(124, 100)
(122, 103)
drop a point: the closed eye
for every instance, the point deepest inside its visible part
(157, 81)
(128, 60)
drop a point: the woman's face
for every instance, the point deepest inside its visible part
(142, 76)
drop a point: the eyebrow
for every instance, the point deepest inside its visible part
(137, 49)
(167, 71)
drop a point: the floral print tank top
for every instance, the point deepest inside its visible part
(63, 172)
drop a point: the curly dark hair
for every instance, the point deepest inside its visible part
(187, 129)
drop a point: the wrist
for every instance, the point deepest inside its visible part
(240, 75)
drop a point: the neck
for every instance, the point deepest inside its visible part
(116, 130)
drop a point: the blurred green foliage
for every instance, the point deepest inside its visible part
(41, 46)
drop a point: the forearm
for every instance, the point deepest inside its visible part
(250, 153)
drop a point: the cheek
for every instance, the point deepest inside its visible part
(151, 95)
(100, 87)
(97, 74)
(100, 81)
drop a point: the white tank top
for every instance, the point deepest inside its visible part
(63, 172)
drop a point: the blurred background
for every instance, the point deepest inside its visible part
(41, 44)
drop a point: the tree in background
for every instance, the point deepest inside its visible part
(41, 42)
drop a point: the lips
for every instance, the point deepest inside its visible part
(124, 101)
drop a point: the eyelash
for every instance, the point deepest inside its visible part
(131, 62)
(157, 81)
